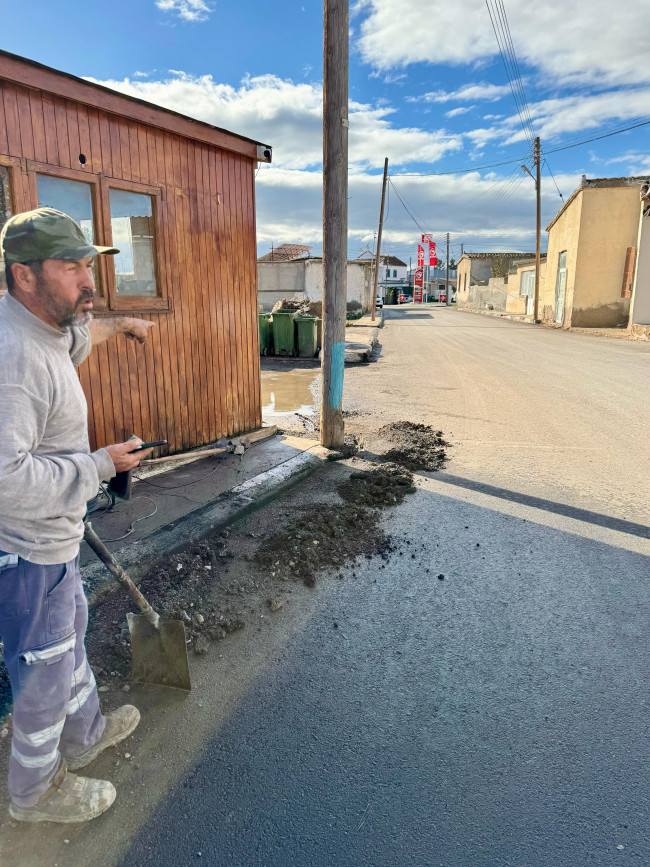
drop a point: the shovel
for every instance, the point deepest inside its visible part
(158, 646)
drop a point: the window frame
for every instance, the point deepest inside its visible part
(140, 303)
(14, 166)
(102, 299)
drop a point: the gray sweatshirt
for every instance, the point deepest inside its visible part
(47, 472)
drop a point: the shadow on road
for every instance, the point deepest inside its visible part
(618, 524)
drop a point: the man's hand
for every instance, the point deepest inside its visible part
(123, 456)
(137, 329)
(103, 328)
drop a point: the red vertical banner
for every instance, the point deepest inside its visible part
(420, 256)
(418, 284)
(432, 255)
(427, 238)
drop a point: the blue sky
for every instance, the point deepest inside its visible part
(427, 89)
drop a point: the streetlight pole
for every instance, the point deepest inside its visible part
(537, 177)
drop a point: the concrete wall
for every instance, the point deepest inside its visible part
(470, 275)
(609, 225)
(492, 296)
(279, 280)
(302, 280)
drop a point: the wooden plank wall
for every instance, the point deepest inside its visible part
(197, 378)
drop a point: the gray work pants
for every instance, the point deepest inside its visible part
(43, 620)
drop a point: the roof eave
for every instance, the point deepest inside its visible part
(31, 74)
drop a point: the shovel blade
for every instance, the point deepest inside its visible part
(159, 655)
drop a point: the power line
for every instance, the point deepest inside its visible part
(597, 137)
(390, 181)
(546, 163)
(461, 171)
(501, 30)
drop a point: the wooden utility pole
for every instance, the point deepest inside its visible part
(335, 217)
(378, 252)
(448, 299)
(538, 256)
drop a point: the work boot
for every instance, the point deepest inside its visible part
(69, 799)
(120, 724)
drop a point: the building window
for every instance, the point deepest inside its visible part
(5, 212)
(74, 198)
(132, 227)
(388, 273)
(394, 273)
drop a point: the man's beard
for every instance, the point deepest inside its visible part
(65, 315)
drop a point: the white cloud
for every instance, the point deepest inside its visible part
(463, 109)
(637, 164)
(554, 118)
(289, 116)
(187, 10)
(571, 41)
(486, 212)
(466, 93)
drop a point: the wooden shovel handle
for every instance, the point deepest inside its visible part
(116, 570)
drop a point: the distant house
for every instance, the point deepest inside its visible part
(392, 271)
(594, 242)
(482, 279)
(286, 253)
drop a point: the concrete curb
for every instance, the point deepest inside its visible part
(361, 352)
(228, 507)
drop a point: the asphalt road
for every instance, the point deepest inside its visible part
(497, 717)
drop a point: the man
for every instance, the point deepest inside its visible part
(47, 474)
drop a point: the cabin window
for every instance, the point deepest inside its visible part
(5, 212)
(133, 231)
(74, 198)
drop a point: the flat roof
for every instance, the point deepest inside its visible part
(30, 73)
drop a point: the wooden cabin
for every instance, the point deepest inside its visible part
(177, 196)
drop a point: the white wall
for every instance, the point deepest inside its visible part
(302, 280)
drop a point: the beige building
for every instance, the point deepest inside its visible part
(520, 300)
(592, 251)
(484, 281)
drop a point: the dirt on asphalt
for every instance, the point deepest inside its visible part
(199, 587)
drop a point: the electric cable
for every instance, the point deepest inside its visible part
(137, 520)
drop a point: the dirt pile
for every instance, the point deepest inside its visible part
(379, 488)
(414, 446)
(323, 538)
(178, 589)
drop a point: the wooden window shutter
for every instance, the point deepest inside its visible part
(628, 273)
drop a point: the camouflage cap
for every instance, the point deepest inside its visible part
(45, 233)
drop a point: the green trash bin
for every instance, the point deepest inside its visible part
(306, 336)
(283, 332)
(265, 333)
(319, 333)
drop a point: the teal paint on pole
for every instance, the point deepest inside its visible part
(336, 375)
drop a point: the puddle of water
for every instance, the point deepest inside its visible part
(288, 391)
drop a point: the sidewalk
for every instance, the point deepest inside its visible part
(361, 337)
(171, 507)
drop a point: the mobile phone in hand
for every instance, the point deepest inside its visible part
(149, 446)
